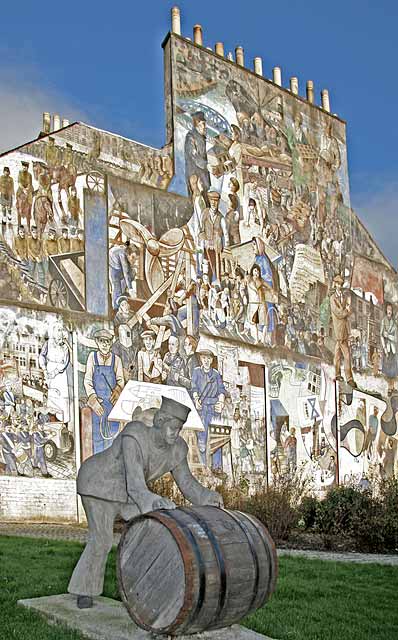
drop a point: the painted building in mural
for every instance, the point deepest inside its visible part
(226, 270)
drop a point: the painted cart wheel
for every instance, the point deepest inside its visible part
(95, 181)
(58, 293)
(50, 451)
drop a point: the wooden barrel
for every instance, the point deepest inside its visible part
(193, 569)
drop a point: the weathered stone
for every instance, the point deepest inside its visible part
(109, 619)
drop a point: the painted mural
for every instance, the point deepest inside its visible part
(229, 273)
(37, 435)
(42, 226)
(283, 265)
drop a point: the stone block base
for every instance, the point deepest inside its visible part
(109, 619)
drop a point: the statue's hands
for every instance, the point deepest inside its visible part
(212, 499)
(163, 503)
(151, 501)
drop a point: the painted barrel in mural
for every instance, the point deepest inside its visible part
(188, 570)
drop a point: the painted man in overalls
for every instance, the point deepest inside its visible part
(103, 382)
(209, 393)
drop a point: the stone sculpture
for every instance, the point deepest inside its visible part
(114, 482)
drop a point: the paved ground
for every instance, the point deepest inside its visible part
(79, 533)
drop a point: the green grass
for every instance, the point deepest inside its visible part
(314, 599)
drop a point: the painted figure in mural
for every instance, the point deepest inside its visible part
(199, 205)
(7, 444)
(173, 363)
(259, 293)
(123, 314)
(389, 343)
(54, 359)
(184, 376)
(50, 243)
(43, 203)
(21, 245)
(40, 436)
(209, 393)
(127, 351)
(267, 274)
(24, 197)
(24, 450)
(6, 195)
(373, 427)
(149, 362)
(234, 162)
(196, 153)
(232, 219)
(35, 256)
(214, 233)
(103, 382)
(114, 483)
(74, 207)
(64, 241)
(340, 307)
(123, 272)
(52, 154)
(290, 446)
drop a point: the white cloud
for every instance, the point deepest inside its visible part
(23, 99)
(377, 207)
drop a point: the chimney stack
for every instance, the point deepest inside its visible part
(65, 122)
(239, 56)
(310, 91)
(219, 49)
(56, 122)
(198, 35)
(277, 76)
(46, 128)
(258, 66)
(176, 21)
(325, 100)
(294, 88)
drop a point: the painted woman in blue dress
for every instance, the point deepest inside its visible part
(267, 275)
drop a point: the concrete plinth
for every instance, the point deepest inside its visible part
(109, 619)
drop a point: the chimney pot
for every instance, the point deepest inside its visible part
(176, 21)
(198, 35)
(258, 66)
(219, 49)
(230, 56)
(294, 87)
(56, 122)
(65, 122)
(277, 76)
(325, 100)
(46, 122)
(239, 56)
(310, 91)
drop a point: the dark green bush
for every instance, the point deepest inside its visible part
(369, 521)
(307, 512)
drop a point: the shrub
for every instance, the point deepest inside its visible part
(369, 521)
(307, 512)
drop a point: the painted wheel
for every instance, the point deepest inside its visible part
(95, 181)
(50, 451)
(58, 293)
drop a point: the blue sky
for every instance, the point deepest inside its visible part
(102, 62)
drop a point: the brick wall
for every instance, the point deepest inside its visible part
(40, 500)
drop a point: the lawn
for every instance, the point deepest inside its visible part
(314, 599)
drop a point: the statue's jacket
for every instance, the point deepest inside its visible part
(124, 468)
